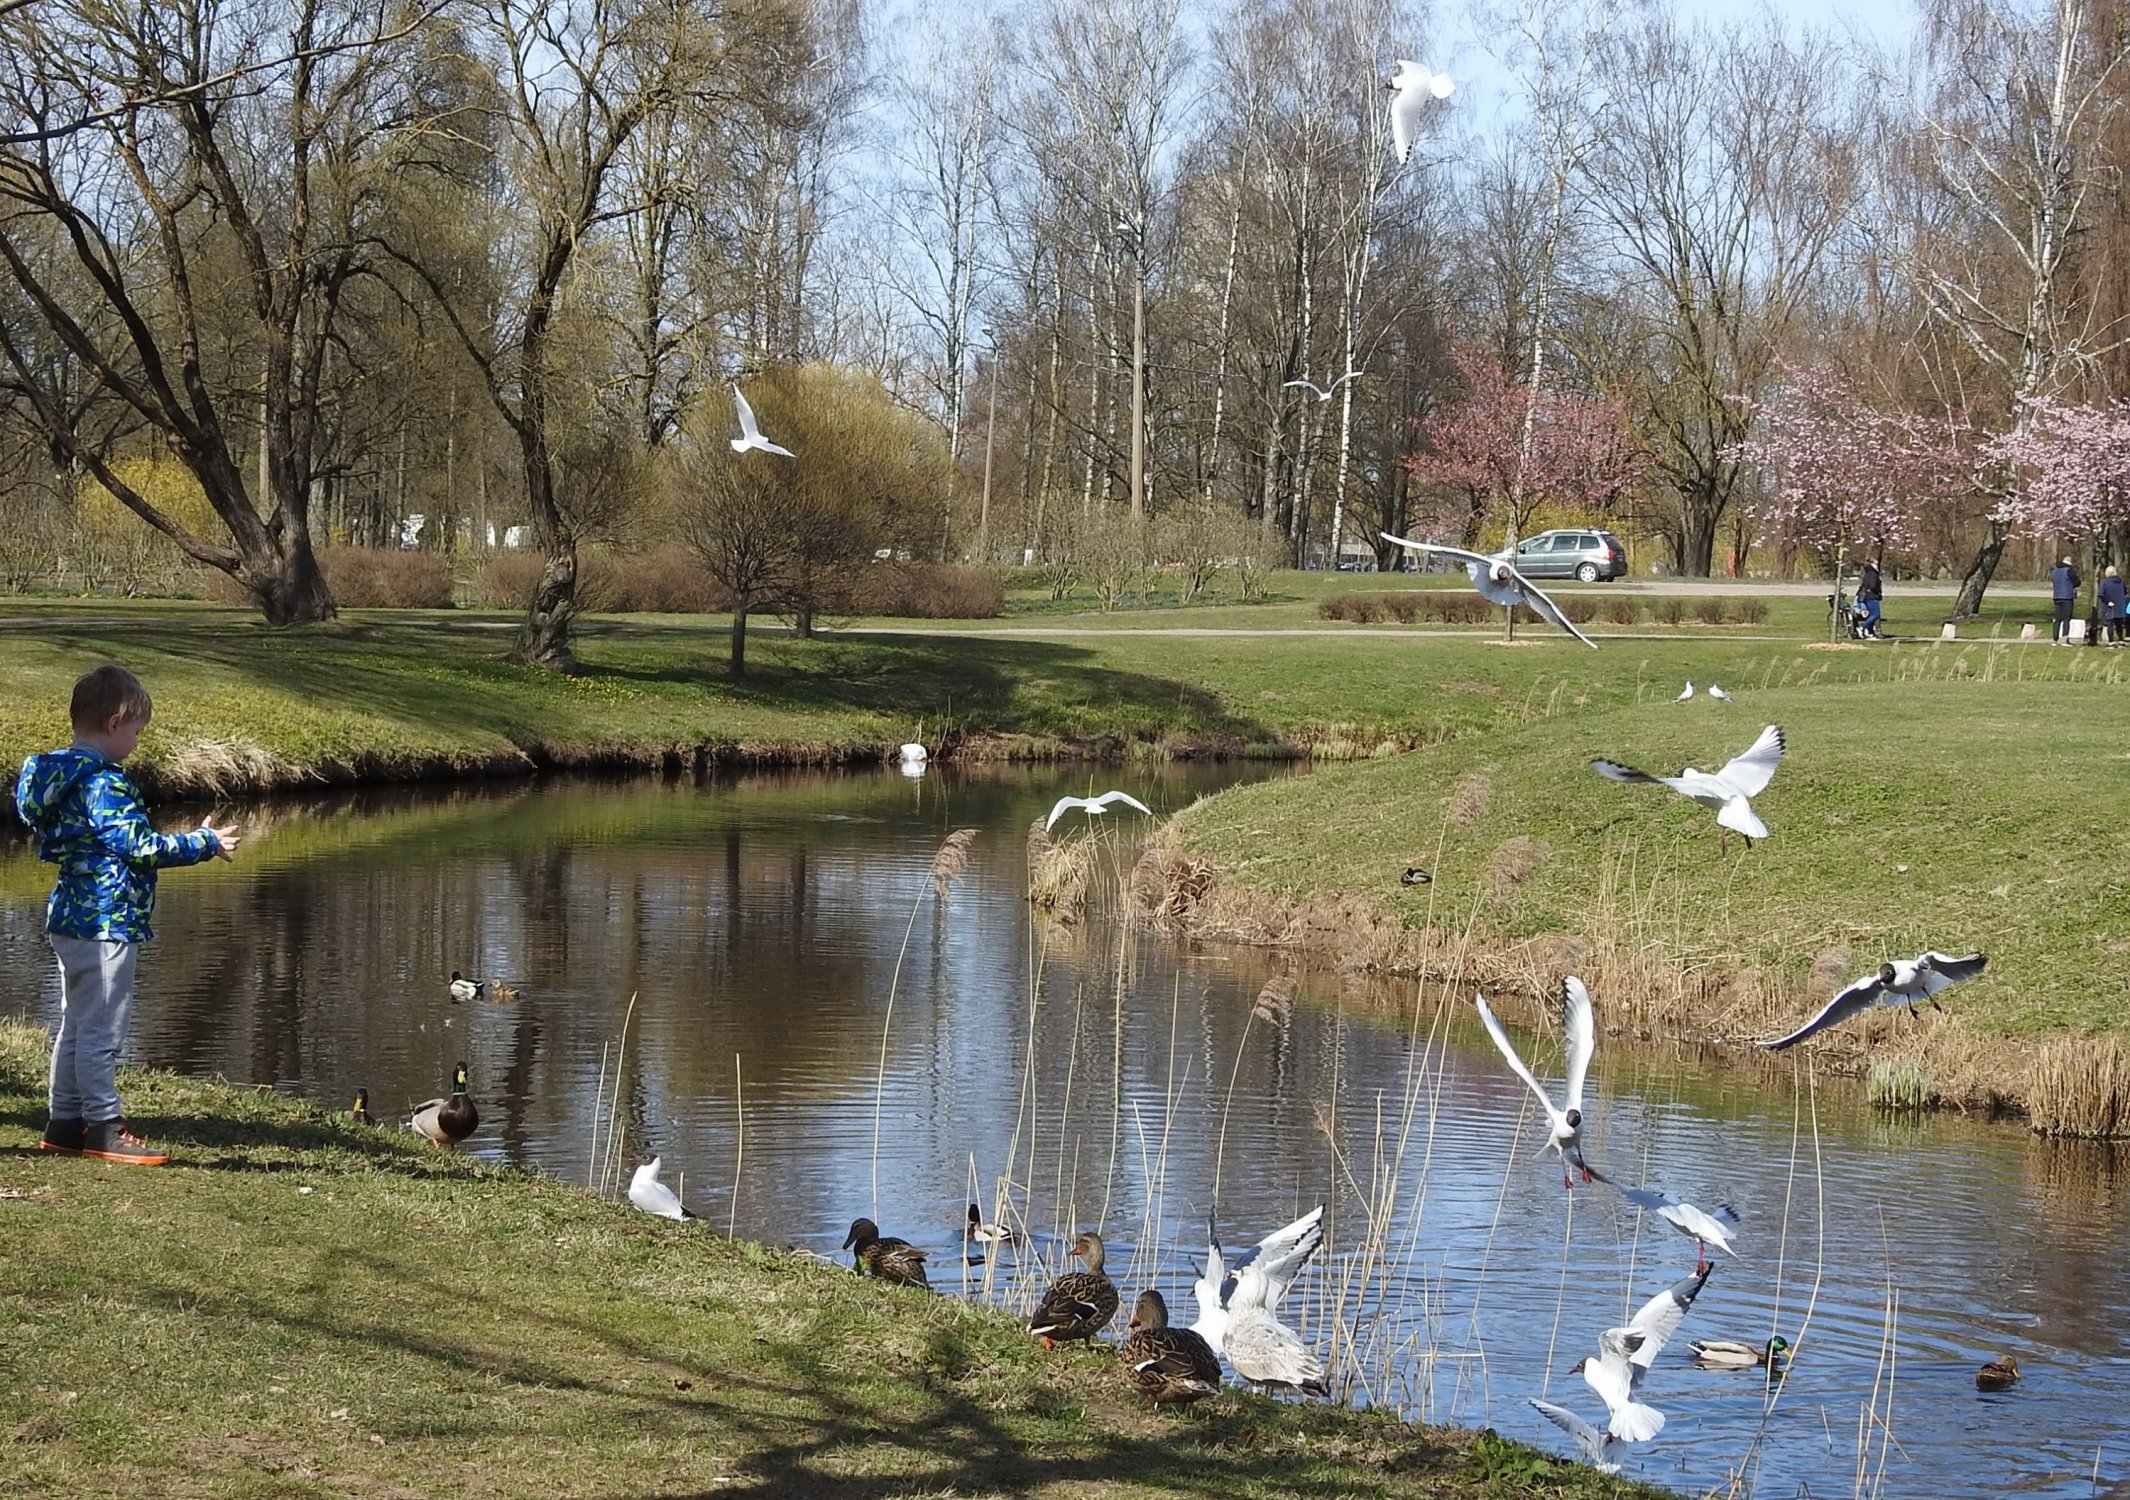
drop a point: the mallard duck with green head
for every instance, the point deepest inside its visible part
(359, 1112)
(885, 1256)
(1728, 1354)
(1168, 1366)
(449, 1120)
(1079, 1304)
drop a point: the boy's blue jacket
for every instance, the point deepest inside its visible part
(89, 821)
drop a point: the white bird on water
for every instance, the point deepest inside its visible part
(1730, 791)
(913, 751)
(1592, 1442)
(653, 1196)
(1703, 1226)
(1624, 1356)
(1566, 1134)
(1685, 696)
(464, 989)
(1246, 1297)
(751, 435)
(1497, 580)
(1905, 981)
(1323, 392)
(1411, 87)
(1095, 806)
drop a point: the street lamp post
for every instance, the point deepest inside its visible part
(983, 508)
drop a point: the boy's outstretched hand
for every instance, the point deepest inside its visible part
(227, 838)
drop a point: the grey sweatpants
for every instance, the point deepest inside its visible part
(95, 992)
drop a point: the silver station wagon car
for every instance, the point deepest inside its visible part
(1586, 556)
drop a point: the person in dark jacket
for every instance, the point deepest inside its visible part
(89, 821)
(2114, 605)
(2063, 590)
(1870, 597)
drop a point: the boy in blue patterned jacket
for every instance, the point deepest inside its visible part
(89, 821)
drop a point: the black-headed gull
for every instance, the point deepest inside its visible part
(1703, 1226)
(1905, 981)
(1592, 1442)
(1262, 1348)
(1323, 392)
(1412, 86)
(1729, 791)
(751, 435)
(1280, 1256)
(1497, 580)
(1566, 1132)
(1685, 696)
(1624, 1356)
(1715, 691)
(653, 1196)
(1095, 806)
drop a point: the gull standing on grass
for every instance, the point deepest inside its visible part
(1411, 87)
(1498, 581)
(1624, 1356)
(1905, 981)
(1715, 691)
(653, 1196)
(1323, 392)
(1730, 791)
(1237, 1306)
(1703, 1226)
(1685, 696)
(751, 435)
(1566, 1133)
(1095, 806)
(1593, 1443)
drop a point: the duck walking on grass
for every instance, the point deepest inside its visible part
(1170, 1366)
(2001, 1373)
(1729, 1354)
(1079, 1304)
(449, 1120)
(885, 1256)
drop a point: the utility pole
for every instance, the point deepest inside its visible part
(983, 509)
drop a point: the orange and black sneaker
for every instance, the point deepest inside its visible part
(62, 1136)
(112, 1141)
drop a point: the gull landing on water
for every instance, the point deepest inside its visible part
(751, 435)
(1566, 1135)
(1730, 791)
(1095, 806)
(1323, 392)
(1411, 87)
(1498, 581)
(1625, 1355)
(1905, 981)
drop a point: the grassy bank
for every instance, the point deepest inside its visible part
(1936, 810)
(408, 694)
(299, 1306)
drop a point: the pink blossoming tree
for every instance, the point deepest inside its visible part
(2071, 470)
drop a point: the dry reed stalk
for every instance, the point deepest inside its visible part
(591, 1155)
(609, 1177)
(739, 1149)
(2079, 1086)
(947, 865)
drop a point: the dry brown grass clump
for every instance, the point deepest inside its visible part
(1168, 883)
(1512, 863)
(1469, 797)
(2079, 1086)
(1060, 875)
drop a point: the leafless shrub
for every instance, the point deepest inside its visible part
(1511, 863)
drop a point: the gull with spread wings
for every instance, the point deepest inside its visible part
(1566, 1133)
(1498, 581)
(1905, 981)
(1730, 791)
(1238, 1305)
(1624, 1356)
(1095, 806)
(751, 435)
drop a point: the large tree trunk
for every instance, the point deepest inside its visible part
(292, 591)
(1699, 518)
(1980, 571)
(544, 642)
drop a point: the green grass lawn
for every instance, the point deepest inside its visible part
(302, 1307)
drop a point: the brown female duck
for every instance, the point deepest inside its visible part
(1999, 1374)
(885, 1256)
(1079, 1304)
(1169, 1366)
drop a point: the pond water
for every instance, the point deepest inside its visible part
(780, 936)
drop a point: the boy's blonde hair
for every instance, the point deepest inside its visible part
(106, 691)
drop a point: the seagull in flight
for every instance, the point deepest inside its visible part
(1095, 806)
(1700, 1225)
(1592, 1442)
(1625, 1355)
(1566, 1135)
(653, 1196)
(1497, 580)
(1323, 392)
(1685, 696)
(751, 435)
(1904, 981)
(1730, 791)
(1411, 87)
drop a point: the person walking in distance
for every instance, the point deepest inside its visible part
(1870, 595)
(2063, 592)
(2114, 605)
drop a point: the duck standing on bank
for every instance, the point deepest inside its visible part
(449, 1120)
(1169, 1366)
(885, 1256)
(1078, 1304)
